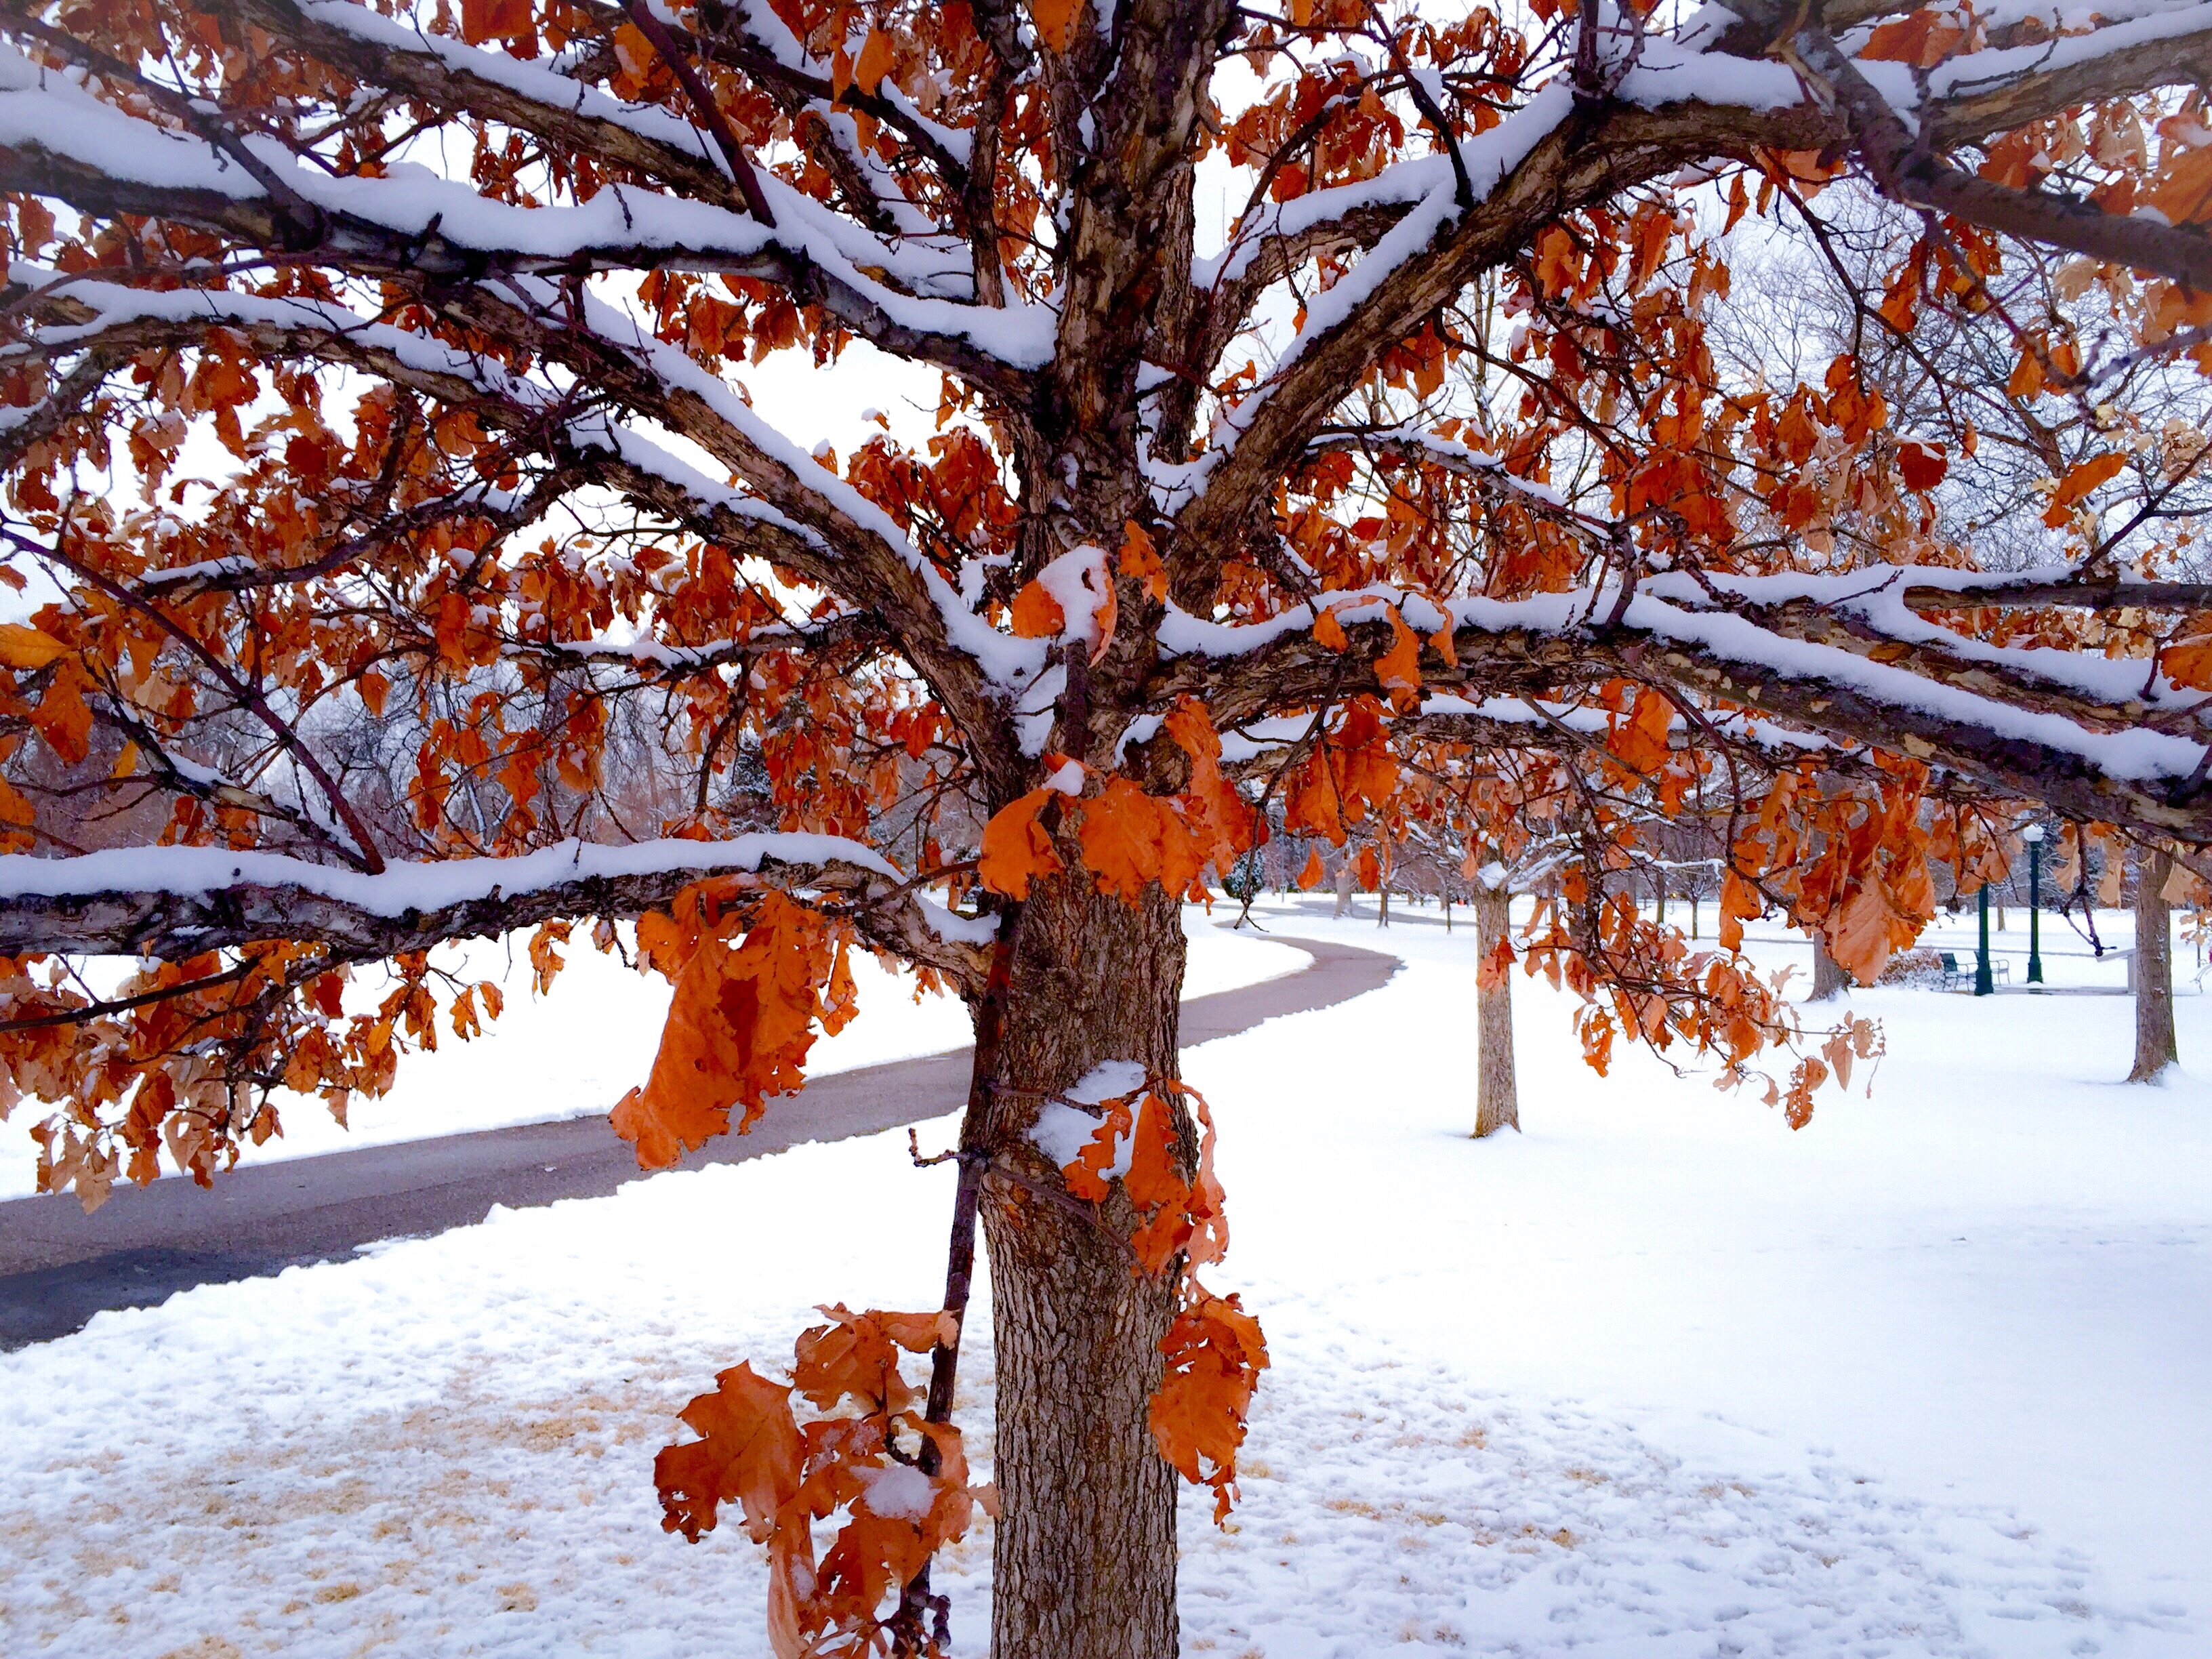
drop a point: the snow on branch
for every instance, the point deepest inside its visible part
(180, 900)
(911, 297)
(1907, 170)
(2085, 753)
(385, 52)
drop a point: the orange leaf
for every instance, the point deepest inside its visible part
(2189, 662)
(1313, 806)
(62, 717)
(494, 19)
(1368, 870)
(747, 1453)
(1141, 561)
(1074, 595)
(1017, 848)
(873, 63)
(1858, 933)
(1399, 669)
(1923, 40)
(1125, 836)
(1369, 774)
(1086, 1176)
(1329, 630)
(2184, 193)
(1922, 465)
(738, 1028)
(1640, 741)
(1108, 613)
(1222, 824)
(2080, 478)
(1037, 615)
(841, 1000)
(1215, 1353)
(1314, 874)
(1154, 1179)
(23, 646)
(1055, 21)
(857, 1356)
(1739, 903)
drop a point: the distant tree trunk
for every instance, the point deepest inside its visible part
(1382, 905)
(1344, 887)
(1693, 917)
(2155, 1048)
(1498, 1097)
(1829, 978)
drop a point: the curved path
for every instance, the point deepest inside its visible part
(58, 1266)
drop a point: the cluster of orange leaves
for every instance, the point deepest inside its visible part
(1214, 1350)
(900, 1480)
(180, 1097)
(1129, 838)
(744, 1015)
(1349, 771)
(1853, 865)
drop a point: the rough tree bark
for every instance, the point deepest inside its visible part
(1084, 1564)
(2155, 1047)
(1497, 1095)
(1829, 979)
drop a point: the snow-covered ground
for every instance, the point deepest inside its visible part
(1658, 1377)
(573, 1051)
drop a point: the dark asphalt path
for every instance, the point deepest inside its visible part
(58, 1266)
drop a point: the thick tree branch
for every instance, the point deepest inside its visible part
(446, 76)
(930, 329)
(1907, 169)
(179, 902)
(2088, 760)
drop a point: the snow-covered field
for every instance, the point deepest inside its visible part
(1658, 1377)
(575, 1052)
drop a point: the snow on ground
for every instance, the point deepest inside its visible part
(1658, 1377)
(573, 1051)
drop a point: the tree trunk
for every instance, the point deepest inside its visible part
(1084, 1566)
(1498, 1098)
(1344, 886)
(2155, 1048)
(1829, 978)
(1382, 905)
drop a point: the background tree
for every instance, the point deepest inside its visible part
(2151, 969)
(414, 551)
(1497, 1089)
(1829, 979)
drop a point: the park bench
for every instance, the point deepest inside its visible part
(1957, 973)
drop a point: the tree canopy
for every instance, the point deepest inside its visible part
(1343, 414)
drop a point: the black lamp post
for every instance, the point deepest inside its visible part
(1984, 982)
(2033, 836)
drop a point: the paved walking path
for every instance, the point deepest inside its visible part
(58, 1266)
